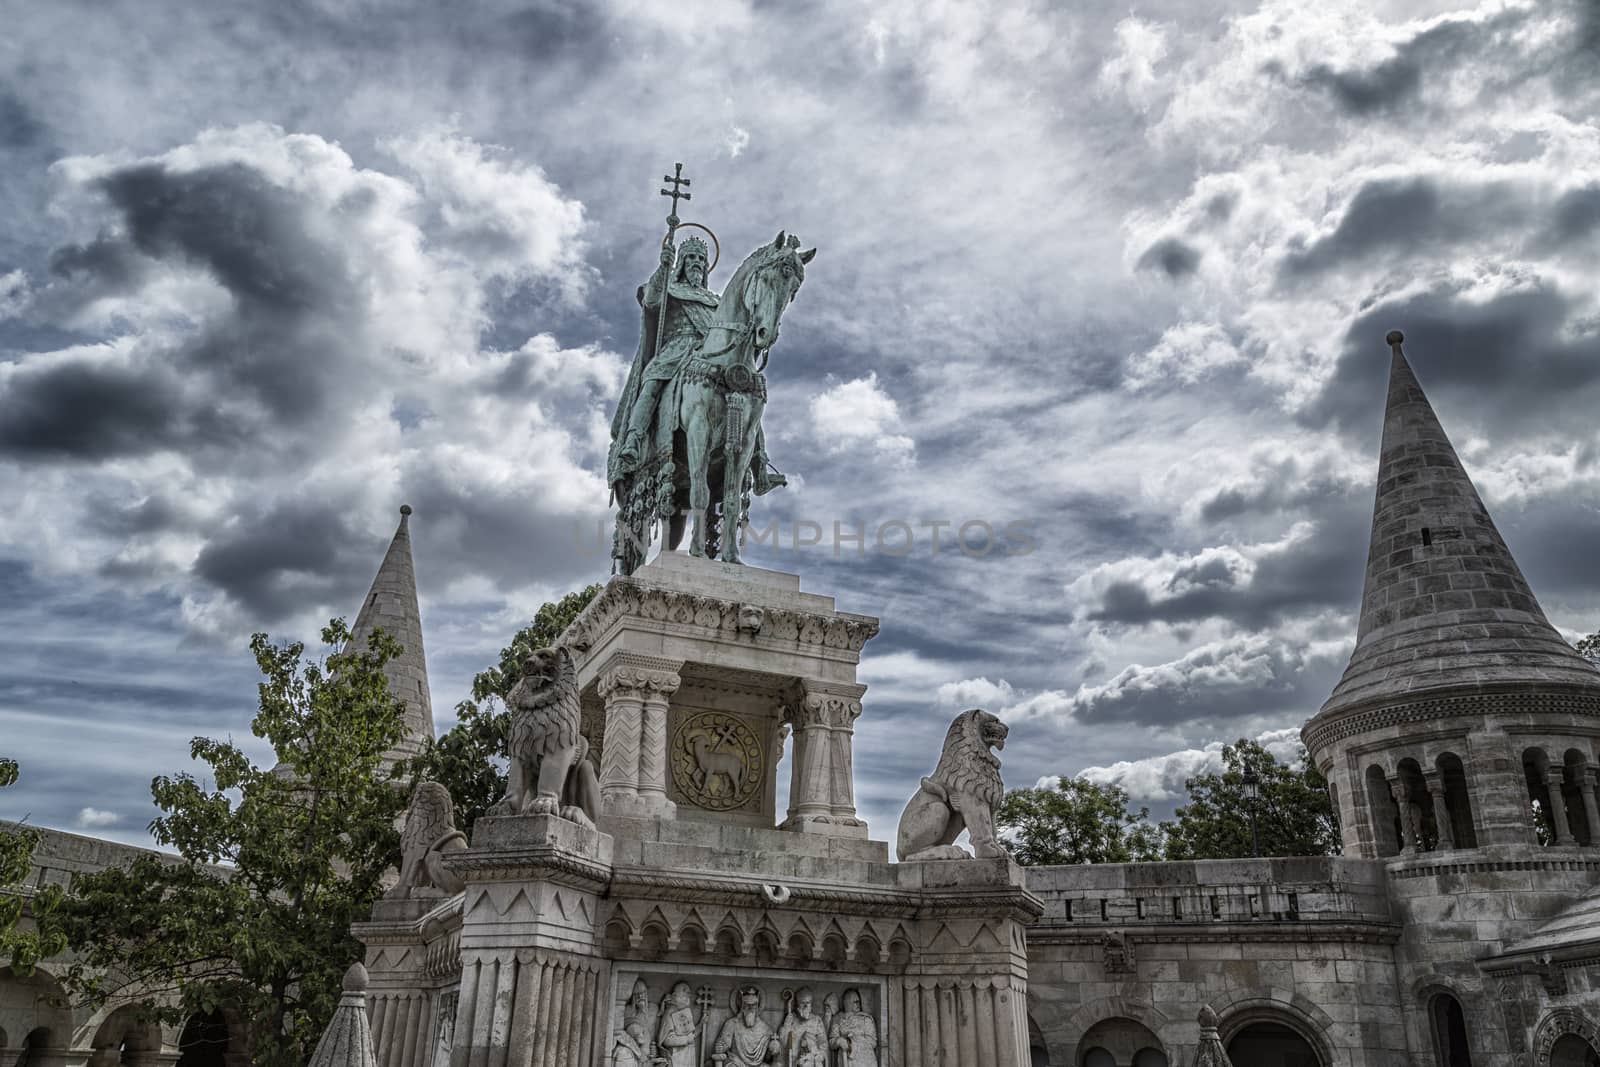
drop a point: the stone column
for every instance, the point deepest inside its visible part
(842, 765)
(653, 746)
(1591, 803)
(1441, 812)
(1408, 817)
(1555, 779)
(633, 775)
(822, 781)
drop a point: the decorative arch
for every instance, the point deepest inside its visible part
(34, 1010)
(1140, 1011)
(1383, 812)
(1283, 1007)
(1118, 1040)
(1457, 799)
(1563, 1022)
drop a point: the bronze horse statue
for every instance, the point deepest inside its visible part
(706, 427)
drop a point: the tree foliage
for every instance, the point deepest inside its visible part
(24, 948)
(302, 847)
(1294, 815)
(468, 759)
(1589, 648)
(1077, 821)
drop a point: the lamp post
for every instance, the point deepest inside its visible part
(1252, 797)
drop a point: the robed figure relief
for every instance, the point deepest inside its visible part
(687, 444)
(854, 1034)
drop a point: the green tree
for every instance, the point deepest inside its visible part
(1589, 648)
(25, 948)
(1075, 821)
(469, 758)
(1293, 813)
(275, 863)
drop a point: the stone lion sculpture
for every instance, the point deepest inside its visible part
(550, 773)
(429, 835)
(961, 793)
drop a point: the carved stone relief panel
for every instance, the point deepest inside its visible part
(718, 761)
(731, 1017)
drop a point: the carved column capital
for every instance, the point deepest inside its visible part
(640, 677)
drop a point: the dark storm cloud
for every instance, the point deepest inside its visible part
(1171, 256)
(1321, 569)
(108, 260)
(1287, 489)
(1398, 83)
(1379, 88)
(1408, 216)
(88, 410)
(1575, 216)
(1519, 361)
(232, 219)
(271, 360)
(512, 539)
(1239, 678)
(276, 561)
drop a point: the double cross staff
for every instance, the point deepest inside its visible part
(679, 183)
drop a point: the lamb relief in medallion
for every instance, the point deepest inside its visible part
(716, 761)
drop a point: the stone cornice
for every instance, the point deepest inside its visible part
(781, 628)
(533, 863)
(690, 888)
(1270, 931)
(1411, 867)
(1327, 729)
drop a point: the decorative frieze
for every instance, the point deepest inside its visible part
(768, 626)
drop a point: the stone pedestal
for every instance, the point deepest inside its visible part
(532, 980)
(693, 673)
(575, 947)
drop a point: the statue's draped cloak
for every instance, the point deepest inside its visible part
(700, 306)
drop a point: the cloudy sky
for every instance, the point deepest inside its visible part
(1112, 283)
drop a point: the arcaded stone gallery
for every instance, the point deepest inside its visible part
(638, 899)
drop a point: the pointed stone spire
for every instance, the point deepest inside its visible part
(1444, 605)
(392, 605)
(347, 1042)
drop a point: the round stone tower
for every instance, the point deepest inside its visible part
(1460, 747)
(1463, 720)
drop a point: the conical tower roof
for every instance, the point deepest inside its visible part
(1444, 605)
(392, 605)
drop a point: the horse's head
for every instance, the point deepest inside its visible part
(775, 273)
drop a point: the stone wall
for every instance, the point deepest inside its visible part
(1131, 952)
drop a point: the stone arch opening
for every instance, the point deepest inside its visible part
(125, 1036)
(1570, 1050)
(1384, 812)
(1536, 772)
(33, 1013)
(1038, 1051)
(1272, 1043)
(205, 1041)
(1575, 775)
(1457, 799)
(1419, 809)
(1449, 1025)
(1121, 1042)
